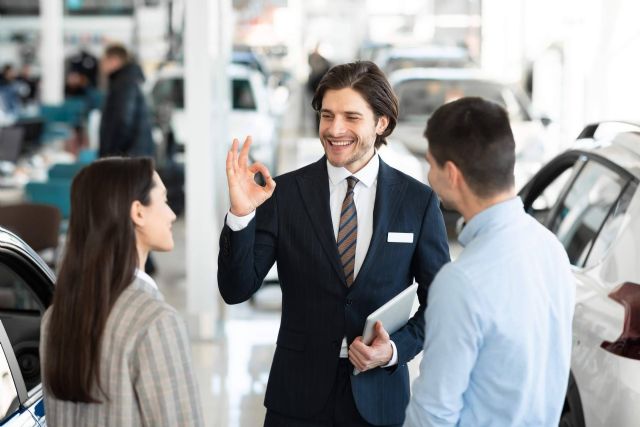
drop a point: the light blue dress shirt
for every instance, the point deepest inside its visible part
(498, 327)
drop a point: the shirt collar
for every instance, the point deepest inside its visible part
(367, 175)
(496, 214)
(146, 278)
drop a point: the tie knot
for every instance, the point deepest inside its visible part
(351, 182)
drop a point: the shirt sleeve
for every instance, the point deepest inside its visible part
(453, 337)
(394, 357)
(237, 223)
(165, 385)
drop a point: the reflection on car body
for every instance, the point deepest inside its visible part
(588, 196)
(26, 288)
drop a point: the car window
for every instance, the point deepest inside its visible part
(585, 207)
(21, 312)
(15, 294)
(419, 98)
(8, 391)
(543, 204)
(399, 63)
(611, 226)
(242, 95)
(169, 91)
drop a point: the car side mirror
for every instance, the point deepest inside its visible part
(628, 344)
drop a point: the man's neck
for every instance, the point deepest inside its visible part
(474, 204)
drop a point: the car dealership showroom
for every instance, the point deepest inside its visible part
(237, 213)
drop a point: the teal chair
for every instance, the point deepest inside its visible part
(60, 119)
(55, 192)
(65, 171)
(87, 156)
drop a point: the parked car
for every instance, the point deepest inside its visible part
(395, 58)
(26, 290)
(588, 196)
(422, 90)
(250, 110)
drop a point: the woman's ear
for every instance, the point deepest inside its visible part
(381, 126)
(137, 214)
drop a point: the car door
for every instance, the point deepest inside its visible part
(26, 288)
(12, 388)
(584, 200)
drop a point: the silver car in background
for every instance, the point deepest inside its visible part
(422, 90)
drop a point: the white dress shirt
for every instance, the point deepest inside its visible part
(364, 196)
(140, 274)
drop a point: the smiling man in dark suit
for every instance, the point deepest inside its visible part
(349, 233)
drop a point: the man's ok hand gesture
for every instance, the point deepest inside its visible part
(245, 194)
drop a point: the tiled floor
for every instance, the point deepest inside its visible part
(232, 367)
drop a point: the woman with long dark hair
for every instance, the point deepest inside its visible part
(113, 352)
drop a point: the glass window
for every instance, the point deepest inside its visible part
(169, 91)
(419, 98)
(543, 204)
(242, 95)
(15, 294)
(611, 227)
(587, 204)
(20, 312)
(8, 391)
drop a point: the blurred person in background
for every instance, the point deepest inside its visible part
(113, 352)
(9, 95)
(318, 67)
(498, 334)
(27, 84)
(125, 127)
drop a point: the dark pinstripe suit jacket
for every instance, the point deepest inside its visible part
(294, 228)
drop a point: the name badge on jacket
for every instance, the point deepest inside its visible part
(400, 237)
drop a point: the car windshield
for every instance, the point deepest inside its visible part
(419, 98)
(400, 63)
(171, 91)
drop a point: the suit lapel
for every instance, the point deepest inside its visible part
(314, 190)
(389, 192)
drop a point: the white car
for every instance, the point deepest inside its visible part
(588, 196)
(422, 90)
(250, 107)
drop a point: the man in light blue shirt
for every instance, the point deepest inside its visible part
(498, 320)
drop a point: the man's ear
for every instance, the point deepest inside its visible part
(381, 126)
(454, 175)
(137, 214)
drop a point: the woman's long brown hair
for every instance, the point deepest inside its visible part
(99, 263)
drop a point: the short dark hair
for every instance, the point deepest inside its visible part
(475, 135)
(369, 81)
(117, 50)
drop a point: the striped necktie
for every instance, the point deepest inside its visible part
(348, 232)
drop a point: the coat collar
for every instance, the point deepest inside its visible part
(313, 184)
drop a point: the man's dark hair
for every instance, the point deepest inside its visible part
(117, 50)
(370, 82)
(475, 135)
